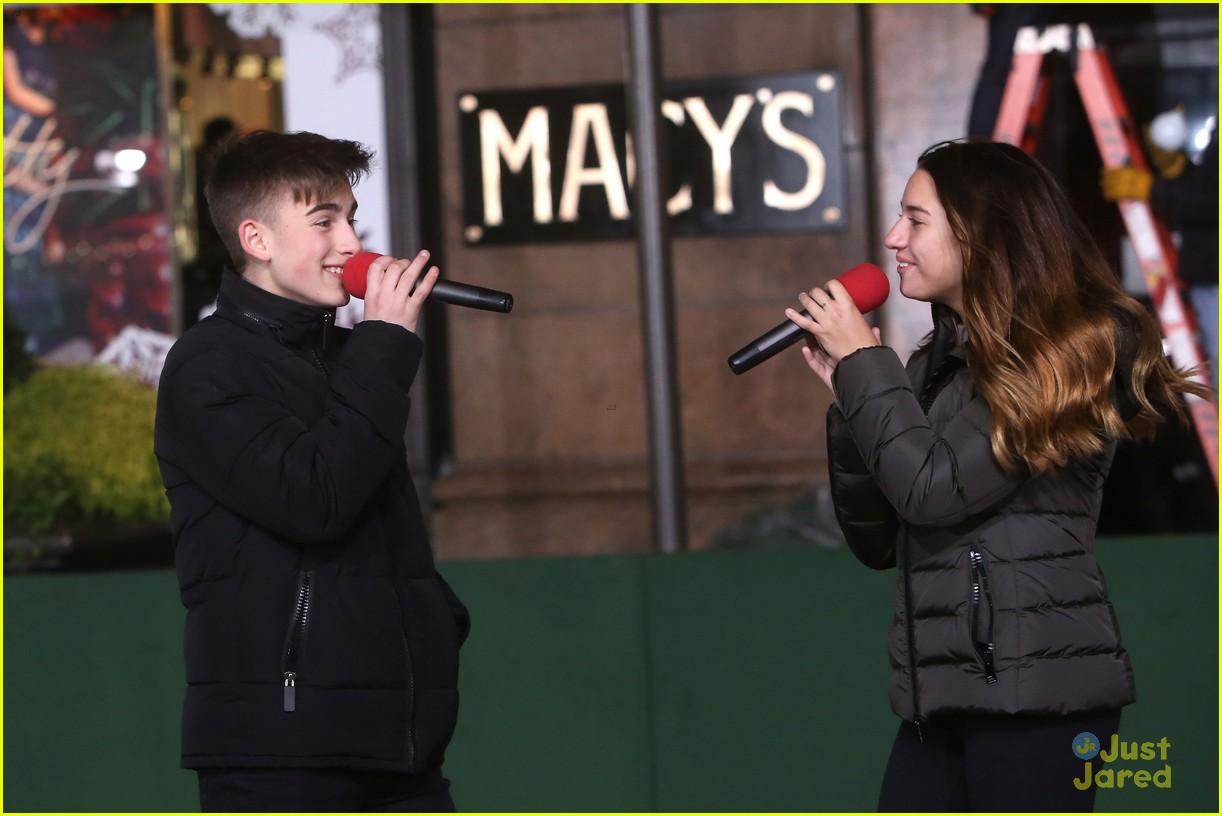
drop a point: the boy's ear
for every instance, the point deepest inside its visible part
(254, 238)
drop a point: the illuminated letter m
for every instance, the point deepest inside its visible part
(532, 141)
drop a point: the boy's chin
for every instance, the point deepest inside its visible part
(328, 300)
(336, 299)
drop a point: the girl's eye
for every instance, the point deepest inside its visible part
(352, 222)
(326, 222)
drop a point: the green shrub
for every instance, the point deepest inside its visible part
(78, 450)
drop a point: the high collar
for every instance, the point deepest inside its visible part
(949, 334)
(946, 342)
(290, 321)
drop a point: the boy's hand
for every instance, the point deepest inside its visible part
(388, 290)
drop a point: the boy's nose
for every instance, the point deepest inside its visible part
(348, 243)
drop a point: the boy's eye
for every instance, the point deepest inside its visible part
(352, 222)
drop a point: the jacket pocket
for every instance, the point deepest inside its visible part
(981, 620)
(295, 639)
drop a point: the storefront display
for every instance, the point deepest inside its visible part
(86, 223)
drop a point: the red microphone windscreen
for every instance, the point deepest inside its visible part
(355, 270)
(867, 285)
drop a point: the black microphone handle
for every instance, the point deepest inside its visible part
(464, 294)
(767, 345)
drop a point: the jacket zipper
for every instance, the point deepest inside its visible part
(327, 320)
(393, 562)
(295, 641)
(265, 322)
(982, 601)
(411, 697)
(912, 669)
(935, 382)
(326, 331)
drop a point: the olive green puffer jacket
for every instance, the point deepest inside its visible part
(1000, 606)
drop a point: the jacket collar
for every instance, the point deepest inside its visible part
(949, 336)
(947, 349)
(291, 322)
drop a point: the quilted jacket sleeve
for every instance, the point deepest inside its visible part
(930, 477)
(229, 425)
(866, 518)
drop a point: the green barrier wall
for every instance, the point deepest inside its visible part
(710, 682)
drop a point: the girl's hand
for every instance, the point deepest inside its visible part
(821, 362)
(836, 328)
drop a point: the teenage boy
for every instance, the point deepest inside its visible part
(321, 645)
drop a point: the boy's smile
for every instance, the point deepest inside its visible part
(305, 245)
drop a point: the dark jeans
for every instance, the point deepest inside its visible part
(316, 790)
(992, 763)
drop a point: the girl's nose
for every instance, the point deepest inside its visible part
(895, 238)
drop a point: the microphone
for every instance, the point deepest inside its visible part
(446, 291)
(866, 284)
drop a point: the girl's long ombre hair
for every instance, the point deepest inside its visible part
(1048, 323)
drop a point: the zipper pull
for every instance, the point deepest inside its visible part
(290, 691)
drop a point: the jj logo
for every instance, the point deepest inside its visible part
(1086, 745)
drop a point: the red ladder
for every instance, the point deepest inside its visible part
(1018, 122)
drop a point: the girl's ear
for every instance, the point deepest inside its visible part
(254, 238)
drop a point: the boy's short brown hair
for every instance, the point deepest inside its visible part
(249, 173)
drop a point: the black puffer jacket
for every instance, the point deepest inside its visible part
(1000, 605)
(318, 631)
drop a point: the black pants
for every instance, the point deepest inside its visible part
(992, 763)
(314, 790)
